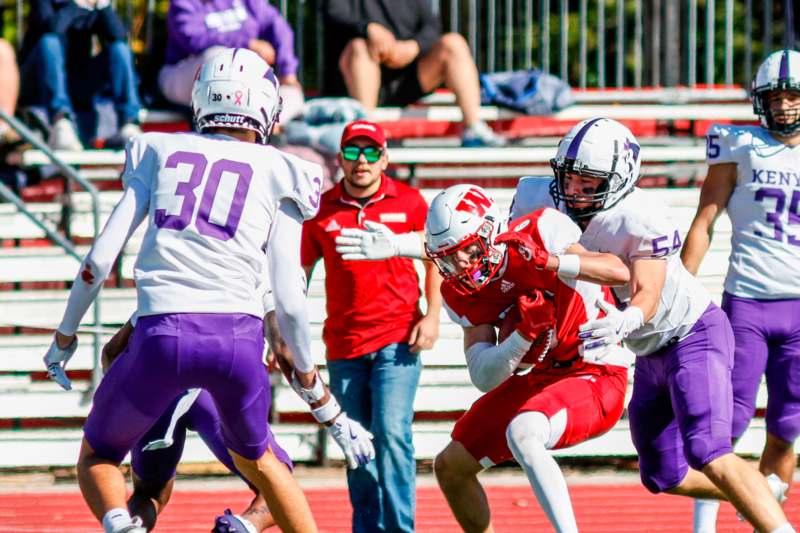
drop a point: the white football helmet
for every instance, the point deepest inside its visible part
(596, 148)
(464, 218)
(780, 71)
(236, 89)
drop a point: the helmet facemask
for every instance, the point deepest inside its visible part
(780, 71)
(484, 260)
(762, 108)
(612, 183)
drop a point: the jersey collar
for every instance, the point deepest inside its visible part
(387, 188)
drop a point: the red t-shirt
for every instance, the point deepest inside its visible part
(370, 304)
(574, 300)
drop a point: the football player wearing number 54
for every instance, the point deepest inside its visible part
(754, 173)
(681, 407)
(214, 201)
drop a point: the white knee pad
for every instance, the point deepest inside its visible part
(527, 430)
(535, 426)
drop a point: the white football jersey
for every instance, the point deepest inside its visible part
(764, 210)
(212, 203)
(533, 192)
(638, 228)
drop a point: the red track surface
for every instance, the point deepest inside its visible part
(599, 508)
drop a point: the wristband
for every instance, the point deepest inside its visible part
(569, 265)
(409, 245)
(327, 412)
(312, 395)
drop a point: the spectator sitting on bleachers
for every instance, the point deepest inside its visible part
(199, 30)
(61, 73)
(396, 59)
(9, 81)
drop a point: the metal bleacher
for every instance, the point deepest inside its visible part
(672, 120)
(40, 423)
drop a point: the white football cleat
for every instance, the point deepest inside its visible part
(778, 486)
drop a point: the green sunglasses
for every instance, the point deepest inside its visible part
(371, 153)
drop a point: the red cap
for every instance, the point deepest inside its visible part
(363, 128)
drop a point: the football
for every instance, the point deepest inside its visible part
(540, 344)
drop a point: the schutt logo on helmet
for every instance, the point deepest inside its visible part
(228, 118)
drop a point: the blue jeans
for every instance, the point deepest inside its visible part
(47, 86)
(377, 390)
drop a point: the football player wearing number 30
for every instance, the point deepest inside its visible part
(215, 202)
(754, 173)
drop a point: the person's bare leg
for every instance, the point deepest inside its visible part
(258, 514)
(457, 473)
(283, 495)
(747, 490)
(697, 485)
(361, 73)
(148, 501)
(778, 458)
(101, 481)
(450, 62)
(9, 79)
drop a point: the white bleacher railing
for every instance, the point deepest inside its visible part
(71, 175)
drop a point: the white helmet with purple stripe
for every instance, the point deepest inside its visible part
(236, 89)
(596, 148)
(780, 71)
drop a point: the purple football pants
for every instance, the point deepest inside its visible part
(681, 409)
(158, 466)
(168, 354)
(767, 336)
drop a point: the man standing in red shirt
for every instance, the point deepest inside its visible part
(374, 328)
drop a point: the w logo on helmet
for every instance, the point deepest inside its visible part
(475, 202)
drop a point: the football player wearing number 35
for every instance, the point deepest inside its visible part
(215, 201)
(754, 173)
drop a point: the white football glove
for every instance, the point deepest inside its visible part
(602, 336)
(614, 355)
(56, 361)
(353, 439)
(377, 242)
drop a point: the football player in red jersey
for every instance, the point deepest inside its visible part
(539, 270)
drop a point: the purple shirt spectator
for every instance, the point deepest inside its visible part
(196, 25)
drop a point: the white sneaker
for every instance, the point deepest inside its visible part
(480, 134)
(63, 136)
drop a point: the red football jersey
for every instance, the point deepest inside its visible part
(370, 304)
(574, 300)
